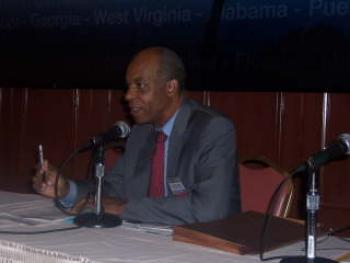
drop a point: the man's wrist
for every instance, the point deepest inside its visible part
(64, 189)
(69, 199)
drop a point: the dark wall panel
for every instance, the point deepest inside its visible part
(285, 127)
(48, 119)
(301, 126)
(10, 123)
(335, 177)
(255, 115)
(97, 111)
(300, 135)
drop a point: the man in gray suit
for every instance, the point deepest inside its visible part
(200, 173)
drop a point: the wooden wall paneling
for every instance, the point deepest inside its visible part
(300, 136)
(4, 119)
(199, 96)
(301, 127)
(335, 176)
(117, 111)
(91, 119)
(92, 115)
(255, 115)
(10, 129)
(285, 127)
(117, 107)
(98, 111)
(48, 119)
(1, 106)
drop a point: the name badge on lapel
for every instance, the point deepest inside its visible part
(177, 187)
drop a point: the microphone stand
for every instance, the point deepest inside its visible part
(98, 219)
(312, 206)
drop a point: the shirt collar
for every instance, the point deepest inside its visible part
(169, 125)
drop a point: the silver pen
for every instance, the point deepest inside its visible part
(41, 155)
(41, 159)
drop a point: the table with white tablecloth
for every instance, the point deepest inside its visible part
(128, 243)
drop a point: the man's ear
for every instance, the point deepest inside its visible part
(172, 87)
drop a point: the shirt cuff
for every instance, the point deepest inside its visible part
(69, 200)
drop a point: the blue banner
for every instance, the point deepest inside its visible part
(256, 45)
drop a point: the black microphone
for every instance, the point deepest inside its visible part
(334, 151)
(119, 130)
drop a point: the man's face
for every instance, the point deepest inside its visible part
(147, 93)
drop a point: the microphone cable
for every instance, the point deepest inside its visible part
(38, 232)
(267, 219)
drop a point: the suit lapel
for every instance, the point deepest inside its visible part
(178, 138)
(143, 168)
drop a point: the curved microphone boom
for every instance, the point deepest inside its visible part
(119, 130)
(334, 151)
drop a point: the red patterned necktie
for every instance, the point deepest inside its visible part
(156, 186)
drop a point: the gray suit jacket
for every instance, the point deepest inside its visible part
(202, 155)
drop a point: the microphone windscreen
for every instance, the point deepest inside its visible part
(345, 138)
(124, 129)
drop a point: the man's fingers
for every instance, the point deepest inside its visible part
(37, 180)
(40, 187)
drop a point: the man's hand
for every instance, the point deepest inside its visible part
(44, 181)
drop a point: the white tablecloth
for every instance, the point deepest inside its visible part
(127, 243)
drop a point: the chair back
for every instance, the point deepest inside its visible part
(259, 178)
